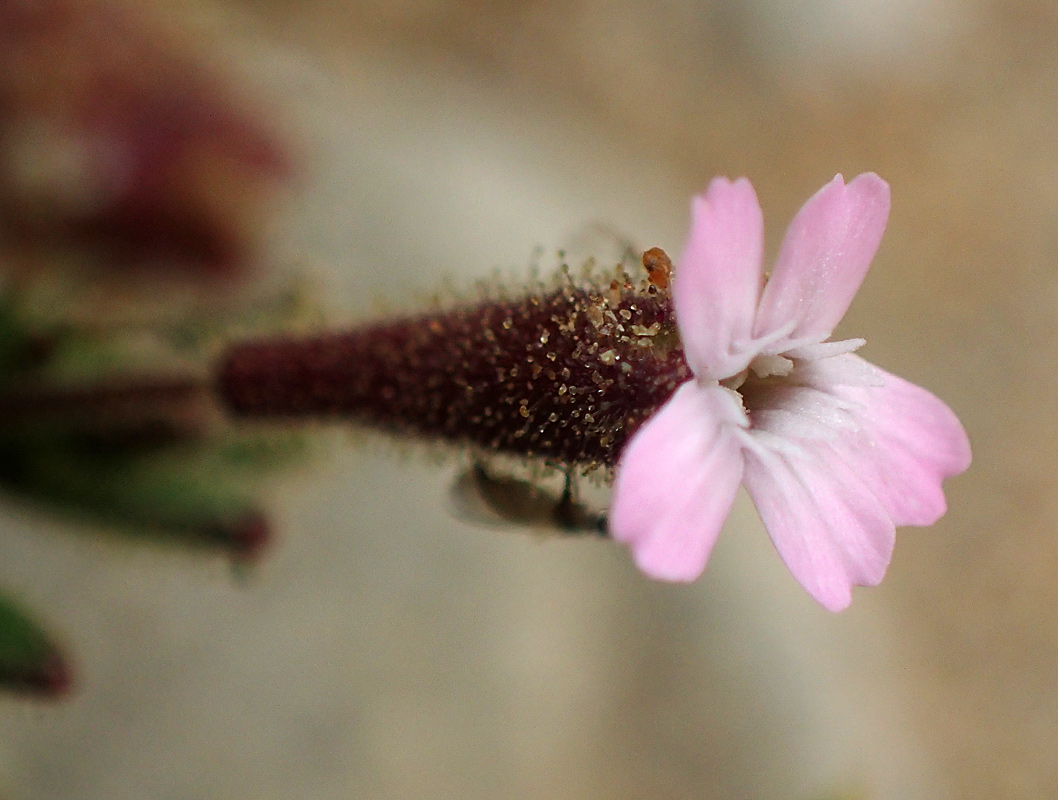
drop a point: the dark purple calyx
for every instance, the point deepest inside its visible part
(565, 374)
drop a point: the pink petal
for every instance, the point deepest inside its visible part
(824, 258)
(827, 525)
(717, 284)
(909, 443)
(676, 482)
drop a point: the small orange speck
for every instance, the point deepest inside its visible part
(658, 266)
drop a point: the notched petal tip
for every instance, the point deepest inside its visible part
(870, 183)
(909, 442)
(868, 189)
(723, 191)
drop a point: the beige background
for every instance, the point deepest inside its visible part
(386, 650)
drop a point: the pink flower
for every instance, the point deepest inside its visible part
(833, 451)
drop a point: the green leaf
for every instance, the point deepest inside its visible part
(29, 660)
(178, 495)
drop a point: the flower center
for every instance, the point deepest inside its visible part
(757, 384)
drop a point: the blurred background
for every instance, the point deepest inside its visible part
(385, 649)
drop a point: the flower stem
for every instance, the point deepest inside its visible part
(150, 407)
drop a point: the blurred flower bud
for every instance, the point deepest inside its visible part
(119, 148)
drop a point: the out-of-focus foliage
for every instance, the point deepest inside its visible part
(134, 186)
(29, 660)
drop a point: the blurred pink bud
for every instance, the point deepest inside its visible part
(116, 143)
